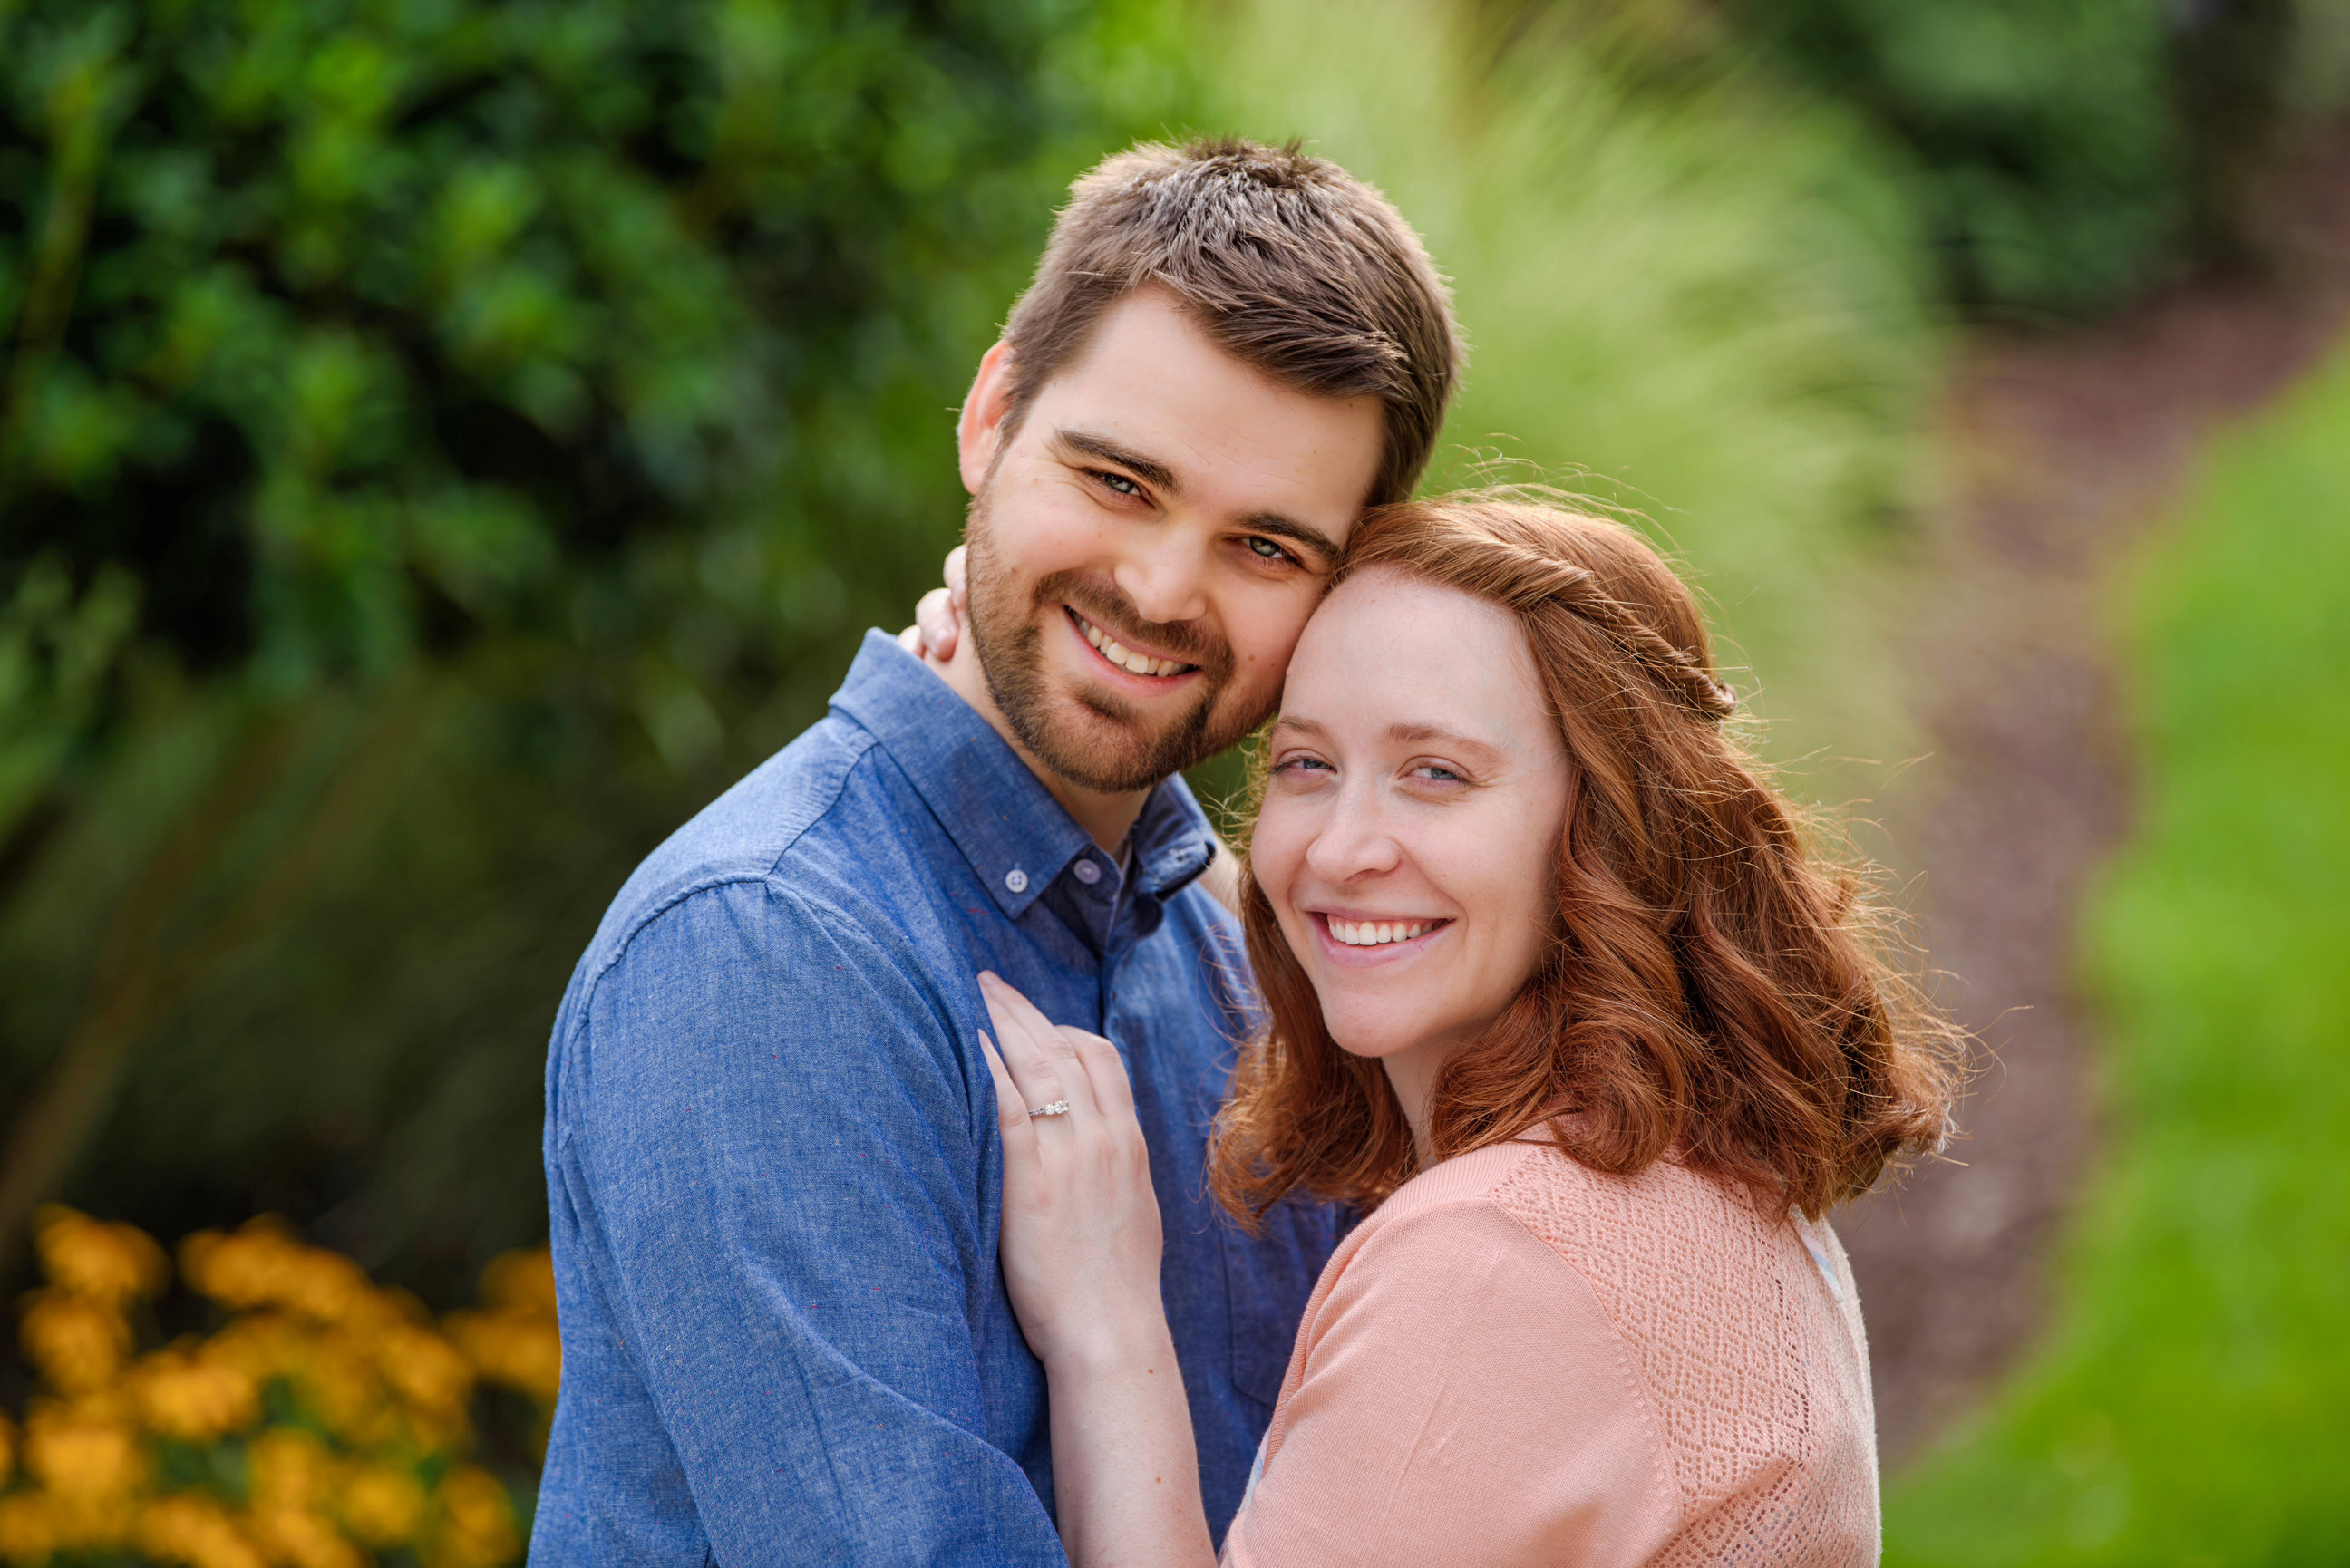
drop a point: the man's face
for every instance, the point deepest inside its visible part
(1146, 547)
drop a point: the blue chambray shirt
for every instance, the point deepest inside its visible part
(773, 1168)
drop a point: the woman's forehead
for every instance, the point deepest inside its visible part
(1398, 654)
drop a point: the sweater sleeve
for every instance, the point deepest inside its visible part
(1459, 1396)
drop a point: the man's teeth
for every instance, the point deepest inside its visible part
(1373, 933)
(1125, 658)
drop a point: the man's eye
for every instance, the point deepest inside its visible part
(1121, 484)
(1267, 550)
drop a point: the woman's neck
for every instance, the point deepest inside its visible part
(1411, 1073)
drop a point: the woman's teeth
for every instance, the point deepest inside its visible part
(1374, 933)
(1125, 658)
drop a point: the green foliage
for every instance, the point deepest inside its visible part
(2187, 1407)
(354, 326)
(439, 444)
(2066, 157)
(2048, 159)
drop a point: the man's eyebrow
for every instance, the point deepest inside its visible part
(1290, 529)
(1109, 450)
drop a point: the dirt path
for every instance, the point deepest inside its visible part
(2062, 454)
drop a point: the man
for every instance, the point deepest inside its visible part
(771, 1163)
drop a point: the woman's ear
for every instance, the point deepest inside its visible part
(979, 433)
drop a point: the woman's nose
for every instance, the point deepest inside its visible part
(1354, 840)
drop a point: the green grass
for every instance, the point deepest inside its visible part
(2192, 1402)
(1704, 298)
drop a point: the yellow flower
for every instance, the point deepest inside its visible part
(518, 1350)
(302, 1540)
(263, 1265)
(197, 1398)
(28, 1528)
(289, 1469)
(79, 1343)
(477, 1522)
(91, 1257)
(83, 1452)
(381, 1506)
(193, 1529)
(425, 1368)
(521, 1282)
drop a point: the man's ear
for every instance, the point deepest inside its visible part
(979, 431)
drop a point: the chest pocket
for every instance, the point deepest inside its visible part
(1269, 1277)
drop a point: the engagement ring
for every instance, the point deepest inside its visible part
(1057, 1109)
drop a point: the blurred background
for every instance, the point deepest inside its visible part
(443, 444)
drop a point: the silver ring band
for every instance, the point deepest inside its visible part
(1057, 1109)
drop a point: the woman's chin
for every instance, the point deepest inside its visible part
(1375, 1039)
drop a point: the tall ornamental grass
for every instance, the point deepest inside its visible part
(1704, 306)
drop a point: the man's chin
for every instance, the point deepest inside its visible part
(1113, 754)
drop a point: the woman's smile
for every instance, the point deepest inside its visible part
(1362, 938)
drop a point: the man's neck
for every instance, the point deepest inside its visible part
(1106, 816)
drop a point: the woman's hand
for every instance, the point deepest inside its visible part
(1081, 1257)
(1081, 1230)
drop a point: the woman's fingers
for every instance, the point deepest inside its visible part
(1105, 1072)
(1012, 1010)
(1034, 1070)
(1011, 1110)
(1078, 1060)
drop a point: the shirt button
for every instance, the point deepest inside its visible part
(1088, 872)
(1016, 880)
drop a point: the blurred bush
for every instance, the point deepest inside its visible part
(320, 1422)
(2063, 158)
(439, 444)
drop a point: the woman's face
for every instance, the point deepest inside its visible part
(1418, 788)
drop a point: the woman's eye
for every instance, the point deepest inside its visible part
(1267, 550)
(1121, 484)
(1437, 772)
(1301, 765)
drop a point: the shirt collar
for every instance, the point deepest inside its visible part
(1015, 835)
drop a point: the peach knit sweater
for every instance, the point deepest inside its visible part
(1519, 1361)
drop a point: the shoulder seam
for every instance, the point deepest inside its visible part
(792, 833)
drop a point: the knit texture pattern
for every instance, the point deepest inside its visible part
(1745, 1333)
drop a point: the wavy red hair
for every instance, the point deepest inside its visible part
(1717, 991)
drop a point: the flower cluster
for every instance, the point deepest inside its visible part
(325, 1421)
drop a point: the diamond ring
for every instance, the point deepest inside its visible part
(1057, 1109)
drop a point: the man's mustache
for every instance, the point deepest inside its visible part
(1101, 602)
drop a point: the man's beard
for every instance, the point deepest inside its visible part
(1118, 752)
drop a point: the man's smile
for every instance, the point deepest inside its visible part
(1126, 659)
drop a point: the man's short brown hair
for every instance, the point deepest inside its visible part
(1290, 263)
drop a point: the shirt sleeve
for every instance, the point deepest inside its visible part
(769, 1141)
(1460, 1397)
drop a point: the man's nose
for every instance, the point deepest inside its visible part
(1355, 839)
(1165, 580)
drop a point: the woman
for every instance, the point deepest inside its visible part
(1556, 996)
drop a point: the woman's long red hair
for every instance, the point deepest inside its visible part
(1715, 989)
